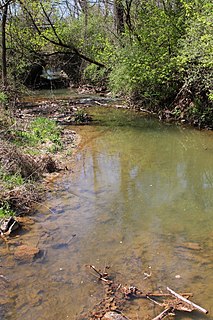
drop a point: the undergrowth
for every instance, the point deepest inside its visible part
(23, 160)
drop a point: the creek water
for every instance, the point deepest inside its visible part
(139, 199)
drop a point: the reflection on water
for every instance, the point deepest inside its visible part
(140, 199)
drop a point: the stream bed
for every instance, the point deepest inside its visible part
(139, 199)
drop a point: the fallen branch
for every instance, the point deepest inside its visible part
(159, 304)
(195, 306)
(158, 295)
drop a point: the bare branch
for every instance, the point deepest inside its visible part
(60, 43)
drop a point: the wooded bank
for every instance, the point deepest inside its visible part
(158, 54)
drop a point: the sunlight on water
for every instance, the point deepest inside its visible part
(140, 199)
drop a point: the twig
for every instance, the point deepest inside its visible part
(102, 275)
(159, 304)
(98, 272)
(70, 239)
(163, 314)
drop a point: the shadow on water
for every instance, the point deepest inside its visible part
(139, 199)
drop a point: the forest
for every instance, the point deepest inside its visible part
(157, 54)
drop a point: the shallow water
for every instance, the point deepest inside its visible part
(140, 199)
(44, 94)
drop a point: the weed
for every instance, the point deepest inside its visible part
(44, 129)
(11, 180)
(3, 97)
(41, 130)
(79, 116)
(69, 153)
(55, 148)
(5, 210)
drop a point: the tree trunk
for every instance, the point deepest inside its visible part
(119, 16)
(3, 43)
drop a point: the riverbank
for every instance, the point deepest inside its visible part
(33, 148)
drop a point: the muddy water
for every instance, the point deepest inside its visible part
(140, 199)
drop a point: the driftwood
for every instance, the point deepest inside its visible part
(192, 305)
(116, 295)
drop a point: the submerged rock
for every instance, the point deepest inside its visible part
(26, 253)
(25, 220)
(111, 315)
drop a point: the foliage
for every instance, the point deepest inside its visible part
(195, 63)
(195, 56)
(3, 97)
(94, 75)
(146, 63)
(170, 49)
(41, 130)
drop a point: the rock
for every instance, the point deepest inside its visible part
(26, 253)
(8, 225)
(25, 220)
(111, 315)
(191, 245)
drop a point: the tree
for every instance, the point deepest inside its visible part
(4, 7)
(52, 36)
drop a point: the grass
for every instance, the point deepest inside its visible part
(8, 182)
(11, 180)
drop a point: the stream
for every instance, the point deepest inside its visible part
(139, 199)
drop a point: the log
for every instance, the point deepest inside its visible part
(163, 314)
(195, 306)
